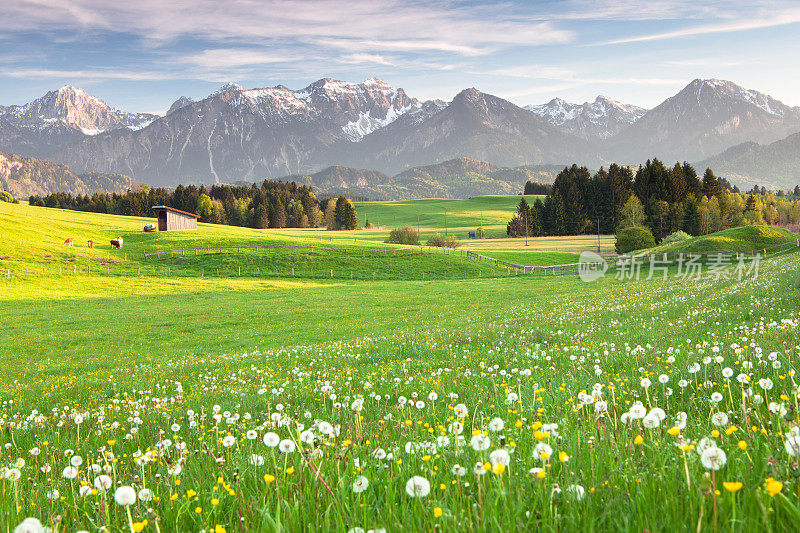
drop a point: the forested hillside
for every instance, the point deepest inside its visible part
(26, 176)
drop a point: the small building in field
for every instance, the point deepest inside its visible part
(171, 219)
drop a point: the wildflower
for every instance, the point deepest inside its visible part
(637, 411)
(478, 469)
(360, 484)
(125, 495)
(102, 482)
(145, 495)
(271, 439)
(638, 440)
(252, 434)
(719, 419)
(460, 410)
(650, 421)
(29, 525)
(268, 478)
(458, 470)
(499, 457)
(256, 460)
(70, 472)
(773, 486)
(732, 486)
(286, 446)
(496, 424)
(437, 512)
(480, 442)
(713, 458)
(542, 451)
(418, 487)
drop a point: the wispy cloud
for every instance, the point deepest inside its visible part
(98, 74)
(783, 18)
(359, 59)
(235, 57)
(391, 24)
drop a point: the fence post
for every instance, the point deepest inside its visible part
(218, 272)
(240, 271)
(331, 272)
(292, 271)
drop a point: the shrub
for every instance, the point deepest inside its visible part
(480, 233)
(6, 197)
(443, 242)
(404, 235)
(677, 236)
(634, 238)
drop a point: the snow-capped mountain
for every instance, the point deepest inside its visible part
(59, 118)
(183, 101)
(72, 106)
(248, 133)
(237, 133)
(703, 119)
(601, 119)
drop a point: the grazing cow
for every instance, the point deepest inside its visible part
(68, 242)
(116, 243)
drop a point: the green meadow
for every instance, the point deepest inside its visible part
(470, 399)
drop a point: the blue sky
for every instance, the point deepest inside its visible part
(141, 55)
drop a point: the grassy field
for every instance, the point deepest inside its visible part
(495, 403)
(742, 239)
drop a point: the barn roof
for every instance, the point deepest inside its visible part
(167, 208)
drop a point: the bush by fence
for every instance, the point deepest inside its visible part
(443, 242)
(404, 235)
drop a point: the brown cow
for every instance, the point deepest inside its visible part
(68, 242)
(116, 243)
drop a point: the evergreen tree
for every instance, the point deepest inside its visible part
(711, 186)
(796, 190)
(261, 216)
(691, 216)
(350, 216)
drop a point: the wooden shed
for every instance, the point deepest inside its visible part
(171, 219)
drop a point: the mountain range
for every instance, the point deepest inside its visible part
(250, 134)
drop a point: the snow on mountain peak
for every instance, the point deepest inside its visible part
(228, 87)
(602, 118)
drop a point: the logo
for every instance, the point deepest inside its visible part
(591, 266)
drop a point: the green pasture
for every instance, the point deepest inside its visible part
(493, 402)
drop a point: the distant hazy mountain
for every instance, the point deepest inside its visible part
(704, 119)
(458, 178)
(26, 176)
(600, 119)
(775, 165)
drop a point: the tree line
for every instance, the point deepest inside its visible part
(273, 204)
(663, 199)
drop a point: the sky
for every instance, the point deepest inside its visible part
(142, 55)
